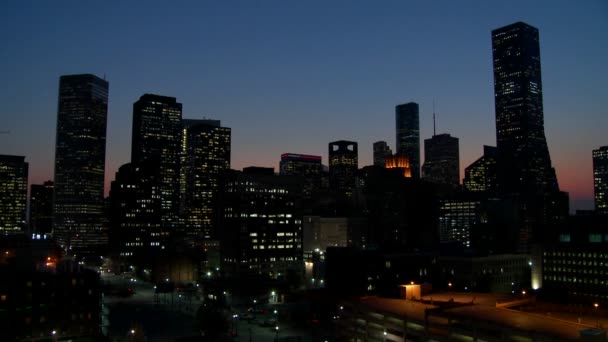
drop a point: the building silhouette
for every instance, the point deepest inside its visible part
(524, 162)
(308, 167)
(80, 154)
(156, 143)
(408, 135)
(205, 155)
(260, 226)
(481, 175)
(343, 165)
(600, 176)
(13, 194)
(41, 208)
(381, 152)
(441, 160)
(135, 212)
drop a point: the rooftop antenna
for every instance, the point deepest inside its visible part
(434, 125)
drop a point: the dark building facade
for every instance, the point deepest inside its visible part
(13, 194)
(441, 160)
(308, 167)
(525, 165)
(44, 298)
(408, 134)
(135, 212)
(574, 262)
(259, 225)
(456, 220)
(156, 140)
(41, 208)
(481, 175)
(381, 152)
(205, 155)
(600, 177)
(80, 155)
(343, 165)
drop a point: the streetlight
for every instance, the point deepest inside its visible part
(596, 305)
(276, 328)
(235, 324)
(384, 335)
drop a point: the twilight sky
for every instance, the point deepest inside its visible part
(291, 76)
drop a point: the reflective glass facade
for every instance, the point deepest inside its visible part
(80, 154)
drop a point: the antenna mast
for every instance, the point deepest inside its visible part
(434, 125)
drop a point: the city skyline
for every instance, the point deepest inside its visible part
(312, 110)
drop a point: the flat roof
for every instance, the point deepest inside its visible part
(483, 310)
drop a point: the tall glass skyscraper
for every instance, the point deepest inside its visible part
(80, 155)
(408, 135)
(156, 140)
(13, 194)
(523, 155)
(600, 179)
(205, 155)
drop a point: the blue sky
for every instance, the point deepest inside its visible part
(291, 76)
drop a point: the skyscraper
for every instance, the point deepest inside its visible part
(600, 177)
(524, 162)
(80, 155)
(381, 152)
(308, 167)
(343, 165)
(157, 139)
(41, 208)
(205, 155)
(408, 135)
(13, 194)
(441, 160)
(480, 176)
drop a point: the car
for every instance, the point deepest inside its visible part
(271, 322)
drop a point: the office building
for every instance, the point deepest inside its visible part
(524, 165)
(259, 227)
(80, 155)
(343, 165)
(44, 298)
(408, 135)
(600, 179)
(481, 175)
(13, 194)
(41, 208)
(135, 212)
(205, 155)
(524, 162)
(441, 160)
(156, 141)
(456, 220)
(308, 167)
(574, 262)
(381, 152)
